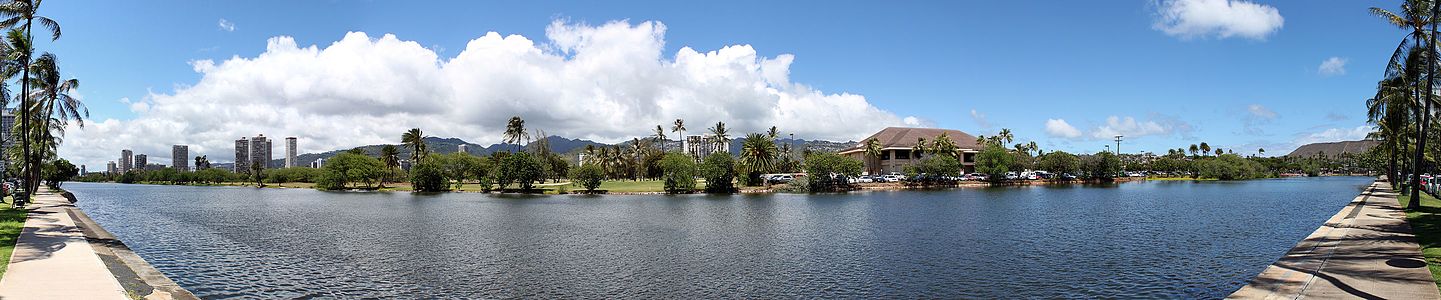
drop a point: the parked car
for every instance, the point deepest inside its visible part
(782, 178)
(893, 178)
(1068, 176)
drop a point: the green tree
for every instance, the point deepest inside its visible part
(429, 175)
(1415, 15)
(680, 172)
(588, 176)
(59, 171)
(521, 168)
(25, 13)
(718, 169)
(515, 132)
(348, 170)
(829, 171)
(1060, 162)
(994, 161)
(1103, 166)
(758, 156)
(873, 153)
(415, 140)
(390, 156)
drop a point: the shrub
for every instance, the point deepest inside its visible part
(346, 169)
(934, 168)
(679, 173)
(1103, 166)
(588, 176)
(994, 161)
(1232, 167)
(1060, 162)
(719, 172)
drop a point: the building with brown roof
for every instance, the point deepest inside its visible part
(897, 144)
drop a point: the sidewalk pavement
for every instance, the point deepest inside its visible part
(1365, 251)
(53, 260)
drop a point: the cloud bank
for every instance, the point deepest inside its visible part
(1217, 18)
(608, 82)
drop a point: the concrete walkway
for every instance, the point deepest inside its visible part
(1365, 251)
(53, 260)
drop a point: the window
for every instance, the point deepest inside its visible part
(903, 155)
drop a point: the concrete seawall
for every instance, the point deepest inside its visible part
(1366, 250)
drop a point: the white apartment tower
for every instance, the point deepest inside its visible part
(290, 160)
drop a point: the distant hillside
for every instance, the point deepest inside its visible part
(1334, 148)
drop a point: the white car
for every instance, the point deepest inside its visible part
(893, 178)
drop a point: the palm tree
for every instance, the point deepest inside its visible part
(1194, 149)
(1415, 17)
(390, 155)
(660, 137)
(1205, 148)
(1261, 151)
(679, 129)
(24, 13)
(719, 134)
(515, 131)
(55, 106)
(1005, 136)
(772, 133)
(873, 152)
(944, 146)
(415, 139)
(919, 148)
(758, 155)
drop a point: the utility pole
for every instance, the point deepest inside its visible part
(1118, 152)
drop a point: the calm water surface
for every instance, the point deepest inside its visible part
(1147, 240)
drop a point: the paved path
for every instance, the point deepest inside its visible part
(1365, 251)
(53, 260)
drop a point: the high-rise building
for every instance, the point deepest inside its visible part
(318, 163)
(141, 161)
(180, 157)
(126, 164)
(260, 151)
(290, 152)
(82, 170)
(242, 155)
(461, 149)
(110, 167)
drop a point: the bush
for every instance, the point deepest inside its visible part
(58, 171)
(994, 161)
(588, 176)
(679, 173)
(719, 172)
(520, 168)
(829, 171)
(429, 175)
(934, 169)
(1232, 167)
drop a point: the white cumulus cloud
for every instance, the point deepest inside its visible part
(1334, 135)
(1132, 128)
(1059, 128)
(608, 82)
(1219, 18)
(1334, 66)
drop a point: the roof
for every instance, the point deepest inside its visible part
(1334, 148)
(905, 138)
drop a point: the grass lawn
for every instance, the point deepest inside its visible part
(1426, 223)
(634, 186)
(11, 221)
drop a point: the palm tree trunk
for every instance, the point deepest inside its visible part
(1425, 116)
(27, 167)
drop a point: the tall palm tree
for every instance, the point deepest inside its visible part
(515, 131)
(1005, 136)
(1194, 149)
(25, 13)
(415, 139)
(679, 128)
(719, 134)
(773, 133)
(390, 155)
(1414, 15)
(55, 106)
(1261, 151)
(873, 153)
(1205, 148)
(660, 137)
(758, 155)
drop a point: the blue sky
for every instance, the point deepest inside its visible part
(974, 66)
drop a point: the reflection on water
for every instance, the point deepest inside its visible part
(1148, 240)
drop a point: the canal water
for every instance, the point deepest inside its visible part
(1131, 240)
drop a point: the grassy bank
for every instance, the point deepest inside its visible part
(11, 221)
(1180, 179)
(1426, 223)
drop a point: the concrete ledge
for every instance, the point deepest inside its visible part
(133, 272)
